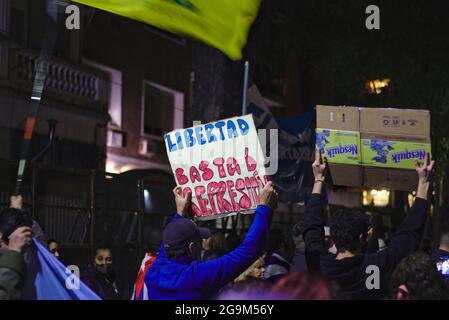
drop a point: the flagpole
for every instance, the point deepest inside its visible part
(245, 93)
(245, 87)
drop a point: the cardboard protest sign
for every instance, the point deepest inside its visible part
(373, 147)
(221, 163)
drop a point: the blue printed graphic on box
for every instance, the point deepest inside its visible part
(393, 154)
(339, 146)
(381, 147)
(321, 139)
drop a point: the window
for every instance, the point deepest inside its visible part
(115, 139)
(112, 86)
(163, 109)
(376, 86)
(17, 30)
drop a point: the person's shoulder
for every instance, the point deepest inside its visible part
(327, 256)
(88, 272)
(203, 266)
(162, 261)
(382, 259)
(12, 260)
(329, 259)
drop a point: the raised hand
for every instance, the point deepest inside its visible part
(19, 239)
(183, 203)
(319, 166)
(267, 195)
(424, 171)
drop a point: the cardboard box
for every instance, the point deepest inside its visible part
(338, 138)
(389, 142)
(406, 122)
(394, 179)
(346, 175)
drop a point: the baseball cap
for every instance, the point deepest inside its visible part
(181, 231)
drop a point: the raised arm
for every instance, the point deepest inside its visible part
(314, 217)
(408, 235)
(183, 210)
(16, 202)
(216, 273)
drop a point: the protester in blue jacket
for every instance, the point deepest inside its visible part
(178, 274)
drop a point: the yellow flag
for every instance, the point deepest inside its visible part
(223, 24)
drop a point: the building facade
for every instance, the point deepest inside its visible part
(72, 104)
(147, 76)
(114, 87)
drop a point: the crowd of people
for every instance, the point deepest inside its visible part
(328, 262)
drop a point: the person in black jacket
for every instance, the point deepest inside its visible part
(357, 274)
(299, 257)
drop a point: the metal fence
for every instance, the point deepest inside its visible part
(85, 208)
(82, 209)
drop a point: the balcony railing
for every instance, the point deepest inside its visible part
(64, 81)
